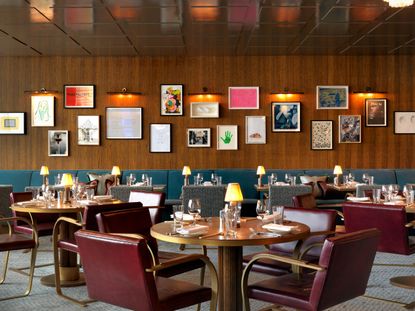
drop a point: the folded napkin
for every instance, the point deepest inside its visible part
(193, 230)
(207, 183)
(24, 203)
(103, 198)
(139, 184)
(87, 202)
(280, 183)
(278, 228)
(267, 218)
(395, 203)
(358, 199)
(186, 217)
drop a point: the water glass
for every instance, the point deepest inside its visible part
(293, 180)
(346, 180)
(371, 180)
(219, 180)
(89, 193)
(410, 197)
(35, 194)
(178, 211)
(278, 214)
(150, 181)
(230, 223)
(144, 179)
(58, 179)
(376, 193)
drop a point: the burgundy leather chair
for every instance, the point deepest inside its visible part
(306, 200)
(150, 198)
(391, 220)
(322, 224)
(137, 221)
(342, 274)
(128, 280)
(89, 222)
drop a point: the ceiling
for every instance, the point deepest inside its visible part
(204, 27)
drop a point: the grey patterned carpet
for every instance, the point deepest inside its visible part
(44, 298)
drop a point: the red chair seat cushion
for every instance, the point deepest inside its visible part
(15, 241)
(178, 269)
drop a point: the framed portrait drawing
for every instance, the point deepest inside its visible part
(376, 112)
(124, 122)
(350, 129)
(13, 123)
(88, 130)
(43, 110)
(160, 137)
(404, 122)
(198, 137)
(204, 110)
(227, 137)
(286, 117)
(171, 100)
(321, 135)
(255, 130)
(243, 97)
(58, 143)
(332, 97)
(79, 96)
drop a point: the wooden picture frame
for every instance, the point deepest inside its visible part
(204, 110)
(227, 137)
(376, 112)
(332, 97)
(88, 130)
(43, 111)
(79, 96)
(160, 137)
(255, 130)
(58, 143)
(404, 122)
(171, 99)
(286, 116)
(321, 134)
(243, 97)
(350, 129)
(12, 123)
(124, 122)
(198, 137)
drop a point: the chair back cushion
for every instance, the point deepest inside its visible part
(104, 182)
(283, 195)
(305, 179)
(389, 219)
(348, 260)
(306, 200)
(147, 198)
(211, 198)
(114, 269)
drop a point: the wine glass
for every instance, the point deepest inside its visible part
(261, 209)
(385, 192)
(144, 179)
(393, 190)
(365, 178)
(406, 189)
(133, 178)
(194, 208)
(214, 179)
(200, 178)
(351, 177)
(288, 178)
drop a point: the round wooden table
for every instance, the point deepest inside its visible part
(70, 275)
(229, 251)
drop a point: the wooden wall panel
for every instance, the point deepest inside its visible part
(380, 148)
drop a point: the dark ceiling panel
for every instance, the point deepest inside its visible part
(146, 14)
(151, 29)
(285, 14)
(331, 29)
(390, 41)
(392, 29)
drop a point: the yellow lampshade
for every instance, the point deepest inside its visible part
(186, 170)
(44, 170)
(116, 170)
(67, 180)
(233, 193)
(260, 170)
(338, 170)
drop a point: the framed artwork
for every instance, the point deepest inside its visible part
(12, 123)
(332, 97)
(124, 122)
(79, 96)
(204, 110)
(43, 110)
(58, 143)
(376, 112)
(171, 100)
(198, 137)
(255, 130)
(243, 97)
(227, 137)
(286, 117)
(160, 137)
(350, 130)
(321, 135)
(404, 122)
(88, 130)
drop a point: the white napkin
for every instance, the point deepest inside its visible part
(280, 183)
(395, 203)
(267, 218)
(87, 202)
(103, 198)
(356, 199)
(278, 228)
(207, 183)
(186, 217)
(139, 184)
(196, 229)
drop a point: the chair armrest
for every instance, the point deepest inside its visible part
(310, 247)
(29, 223)
(139, 236)
(56, 226)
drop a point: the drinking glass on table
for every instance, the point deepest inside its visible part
(194, 208)
(144, 179)
(351, 177)
(261, 209)
(365, 178)
(385, 192)
(214, 179)
(178, 212)
(278, 214)
(133, 179)
(287, 178)
(393, 190)
(200, 178)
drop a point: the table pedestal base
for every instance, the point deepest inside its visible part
(70, 277)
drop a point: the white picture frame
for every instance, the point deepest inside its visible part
(124, 122)
(332, 97)
(243, 97)
(88, 130)
(58, 143)
(43, 111)
(404, 122)
(227, 137)
(160, 137)
(204, 110)
(198, 137)
(255, 130)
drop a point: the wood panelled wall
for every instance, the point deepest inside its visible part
(380, 148)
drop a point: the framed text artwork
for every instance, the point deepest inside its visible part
(88, 130)
(350, 129)
(321, 135)
(198, 137)
(160, 137)
(286, 117)
(58, 143)
(171, 100)
(243, 97)
(376, 112)
(227, 137)
(332, 97)
(255, 130)
(43, 110)
(13, 123)
(404, 122)
(124, 122)
(79, 96)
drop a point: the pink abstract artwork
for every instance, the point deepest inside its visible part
(243, 97)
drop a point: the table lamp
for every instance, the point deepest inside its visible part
(233, 195)
(186, 172)
(116, 172)
(337, 171)
(67, 183)
(44, 171)
(260, 171)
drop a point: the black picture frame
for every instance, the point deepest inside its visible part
(286, 117)
(171, 99)
(79, 96)
(321, 135)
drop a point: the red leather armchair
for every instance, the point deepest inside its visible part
(342, 273)
(306, 200)
(128, 280)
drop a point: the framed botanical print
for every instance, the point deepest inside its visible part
(124, 122)
(88, 130)
(376, 112)
(43, 110)
(171, 100)
(321, 135)
(160, 137)
(13, 123)
(58, 143)
(255, 130)
(404, 122)
(350, 129)
(286, 117)
(79, 96)
(227, 137)
(198, 137)
(332, 97)
(243, 97)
